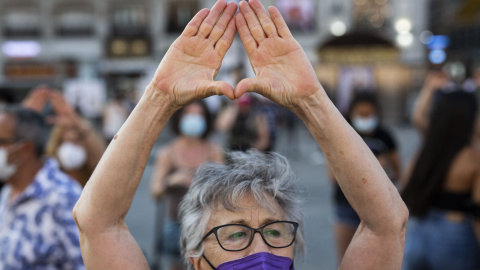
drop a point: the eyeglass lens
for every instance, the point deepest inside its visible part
(237, 237)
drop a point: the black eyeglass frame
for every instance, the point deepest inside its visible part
(255, 230)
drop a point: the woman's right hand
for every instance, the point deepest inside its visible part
(188, 70)
(283, 72)
(435, 80)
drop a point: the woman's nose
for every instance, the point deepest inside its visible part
(258, 245)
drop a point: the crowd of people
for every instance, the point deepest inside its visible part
(65, 195)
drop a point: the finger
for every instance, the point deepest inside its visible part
(265, 20)
(252, 85)
(279, 22)
(247, 39)
(193, 26)
(252, 21)
(218, 88)
(226, 41)
(209, 22)
(223, 22)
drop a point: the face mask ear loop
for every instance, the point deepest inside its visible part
(213, 267)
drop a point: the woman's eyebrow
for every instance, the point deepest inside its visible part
(238, 221)
(243, 222)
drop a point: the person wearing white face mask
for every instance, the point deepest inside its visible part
(73, 141)
(174, 170)
(36, 225)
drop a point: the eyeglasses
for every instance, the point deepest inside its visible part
(237, 237)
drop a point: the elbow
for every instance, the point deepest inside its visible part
(81, 218)
(399, 219)
(76, 216)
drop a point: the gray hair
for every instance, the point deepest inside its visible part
(265, 176)
(29, 126)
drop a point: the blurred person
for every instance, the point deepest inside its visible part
(442, 189)
(365, 116)
(246, 126)
(175, 167)
(346, 220)
(6, 97)
(227, 206)
(435, 81)
(74, 142)
(269, 110)
(37, 230)
(115, 113)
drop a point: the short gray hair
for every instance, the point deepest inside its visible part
(264, 176)
(29, 126)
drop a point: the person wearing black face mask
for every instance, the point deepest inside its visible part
(36, 226)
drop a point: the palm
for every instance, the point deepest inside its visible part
(283, 71)
(188, 70)
(191, 65)
(279, 63)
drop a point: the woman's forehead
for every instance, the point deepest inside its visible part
(248, 212)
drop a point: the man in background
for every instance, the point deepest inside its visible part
(36, 225)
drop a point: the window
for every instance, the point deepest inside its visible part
(74, 20)
(299, 14)
(21, 21)
(179, 14)
(129, 19)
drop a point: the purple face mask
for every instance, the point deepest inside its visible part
(259, 261)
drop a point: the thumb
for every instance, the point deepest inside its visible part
(252, 85)
(219, 88)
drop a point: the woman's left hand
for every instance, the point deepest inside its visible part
(188, 70)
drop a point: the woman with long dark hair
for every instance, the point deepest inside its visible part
(443, 190)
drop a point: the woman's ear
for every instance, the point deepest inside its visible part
(195, 261)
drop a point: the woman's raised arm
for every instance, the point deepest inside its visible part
(285, 75)
(185, 74)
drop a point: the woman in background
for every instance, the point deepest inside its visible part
(442, 190)
(73, 142)
(175, 167)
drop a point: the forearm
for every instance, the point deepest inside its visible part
(420, 112)
(356, 169)
(109, 192)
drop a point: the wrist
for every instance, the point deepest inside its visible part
(315, 101)
(160, 100)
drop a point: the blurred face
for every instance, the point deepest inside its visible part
(363, 110)
(194, 108)
(12, 155)
(192, 122)
(71, 134)
(251, 214)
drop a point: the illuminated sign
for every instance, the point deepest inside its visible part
(21, 49)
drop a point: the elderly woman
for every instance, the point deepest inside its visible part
(221, 218)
